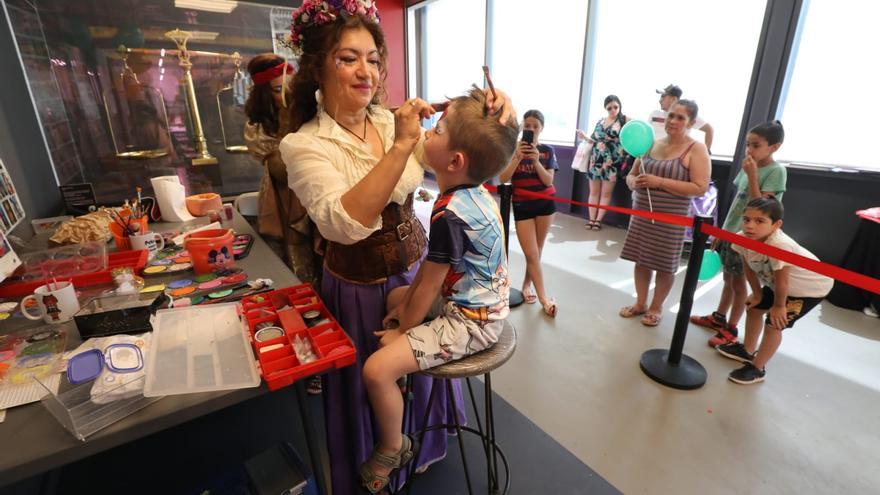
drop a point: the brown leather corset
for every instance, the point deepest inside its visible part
(391, 250)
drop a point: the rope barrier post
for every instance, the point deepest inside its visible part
(505, 191)
(672, 368)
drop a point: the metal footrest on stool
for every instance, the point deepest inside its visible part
(481, 363)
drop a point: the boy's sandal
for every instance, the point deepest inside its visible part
(597, 225)
(651, 319)
(630, 312)
(375, 483)
(550, 308)
(315, 386)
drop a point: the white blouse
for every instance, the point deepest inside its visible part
(324, 162)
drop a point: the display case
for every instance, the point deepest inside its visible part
(129, 91)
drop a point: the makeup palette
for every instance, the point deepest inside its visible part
(241, 245)
(179, 284)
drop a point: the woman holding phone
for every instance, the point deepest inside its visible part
(531, 169)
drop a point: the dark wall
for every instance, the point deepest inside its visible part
(21, 144)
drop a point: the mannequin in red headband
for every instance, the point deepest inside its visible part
(283, 222)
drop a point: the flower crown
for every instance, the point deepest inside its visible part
(320, 12)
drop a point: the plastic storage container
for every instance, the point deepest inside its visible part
(281, 362)
(112, 315)
(22, 286)
(214, 347)
(199, 349)
(82, 414)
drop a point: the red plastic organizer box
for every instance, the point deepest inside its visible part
(283, 308)
(137, 260)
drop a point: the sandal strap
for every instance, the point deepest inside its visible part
(398, 459)
(375, 483)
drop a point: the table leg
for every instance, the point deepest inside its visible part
(315, 452)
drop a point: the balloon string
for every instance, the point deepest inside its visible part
(650, 203)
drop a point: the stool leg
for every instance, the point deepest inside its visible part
(411, 469)
(490, 432)
(409, 416)
(492, 479)
(459, 431)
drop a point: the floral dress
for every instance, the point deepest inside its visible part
(608, 155)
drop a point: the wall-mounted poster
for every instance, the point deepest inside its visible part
(9, 261)
(279, 19)
(11, 212)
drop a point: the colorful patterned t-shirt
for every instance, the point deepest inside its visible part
(466, 234)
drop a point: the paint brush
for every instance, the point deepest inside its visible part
(489, 81)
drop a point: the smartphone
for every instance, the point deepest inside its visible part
(528, 136)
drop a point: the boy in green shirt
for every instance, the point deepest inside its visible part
(759, 176)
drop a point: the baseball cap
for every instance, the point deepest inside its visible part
(671, 90)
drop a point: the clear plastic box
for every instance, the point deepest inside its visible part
(83, 415)
(199, 349)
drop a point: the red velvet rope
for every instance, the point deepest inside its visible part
(833, 271)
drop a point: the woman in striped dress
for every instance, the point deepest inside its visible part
(674, 170)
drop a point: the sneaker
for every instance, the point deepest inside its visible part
(716, 321)
(747, 375)
(735, 351)
(726, 335)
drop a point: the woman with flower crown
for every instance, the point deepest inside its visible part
(353, 165)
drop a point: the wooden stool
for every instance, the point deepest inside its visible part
(481, 363)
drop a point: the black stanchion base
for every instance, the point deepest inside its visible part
(516, 297)
(688, 374)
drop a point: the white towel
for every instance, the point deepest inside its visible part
(171, 196)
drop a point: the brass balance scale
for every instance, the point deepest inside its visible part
(128, 77)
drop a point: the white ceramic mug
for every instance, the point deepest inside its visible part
(57, 302)
(150, 241)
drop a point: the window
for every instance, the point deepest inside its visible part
(537, 54)
(451, 48)
(706, 48)
(832, 101)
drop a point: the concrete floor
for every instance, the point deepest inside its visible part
(812, 427)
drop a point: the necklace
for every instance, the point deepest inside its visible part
(363, 139)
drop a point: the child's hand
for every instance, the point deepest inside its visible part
(392, 319)
(753, 299)
(523, 151)
(387, 336)
(749, 165)
(778, 317)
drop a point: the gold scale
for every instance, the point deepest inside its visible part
(129, 77)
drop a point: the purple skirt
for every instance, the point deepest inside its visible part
(350, 426)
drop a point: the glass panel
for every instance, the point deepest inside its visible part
(537, 52)
(706, 48)
(116, 131)
(832, 66)
(453, 47)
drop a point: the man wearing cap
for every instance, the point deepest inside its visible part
(668, 96)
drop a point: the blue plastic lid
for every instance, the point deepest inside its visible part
(85, 366)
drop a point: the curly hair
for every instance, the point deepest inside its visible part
(318, 41)
(260, 106)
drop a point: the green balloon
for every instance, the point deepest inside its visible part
(637, 136)
(711, 265)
